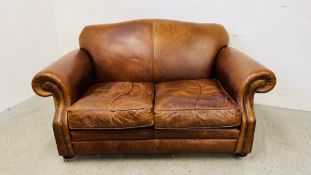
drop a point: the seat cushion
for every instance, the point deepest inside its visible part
(194, 104)
(113, 105)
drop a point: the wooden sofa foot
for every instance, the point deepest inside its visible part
(241, 154)
(67, 158)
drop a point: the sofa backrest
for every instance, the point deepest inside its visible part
(153, 50)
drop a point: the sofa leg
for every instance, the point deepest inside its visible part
(241, 154)
(68, 158)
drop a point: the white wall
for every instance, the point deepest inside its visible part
(28, 42)
(274, 32)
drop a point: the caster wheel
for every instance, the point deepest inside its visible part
(67, 158)
(241, 154)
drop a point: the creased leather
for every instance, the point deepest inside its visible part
(242, 76)
(116, 105)
(194, 104)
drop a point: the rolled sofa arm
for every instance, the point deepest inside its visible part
(66, 78)
(242, 77)
(237, 72)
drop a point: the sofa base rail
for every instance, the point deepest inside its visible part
(150, 133)
(154, 146)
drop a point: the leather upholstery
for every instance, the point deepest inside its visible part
(236, 71)
(71, 74)
(182, 47)
(120, 52)
(105, 100)
(115, 105)
(151, 133)
(153, 50)
(194, 104)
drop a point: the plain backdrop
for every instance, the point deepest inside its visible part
(277, 33)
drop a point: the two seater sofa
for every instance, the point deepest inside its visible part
(153, 86)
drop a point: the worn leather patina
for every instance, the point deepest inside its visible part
(194, 104)
(113, 105)
(154, 86)
(153, 50)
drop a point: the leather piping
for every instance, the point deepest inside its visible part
(261, 83)
(153, 54)
(112, 110)
(210, 127)
(134, 127)
(214, 109)
(46, 85)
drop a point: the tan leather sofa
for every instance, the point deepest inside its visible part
(154, 86)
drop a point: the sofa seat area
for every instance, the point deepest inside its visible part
(178, 107)
(199, 103)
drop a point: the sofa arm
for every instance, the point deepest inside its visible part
(239, 73)
(242, 77)
(66, 79)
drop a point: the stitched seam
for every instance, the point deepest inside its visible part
(61, 111)
(118, 128)
(142, 109)
(214, 109)
(244, 101)
(153, 50)
(203, 127)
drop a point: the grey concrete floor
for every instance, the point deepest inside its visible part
(282, 146)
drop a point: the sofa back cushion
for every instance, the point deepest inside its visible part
(153, 50)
